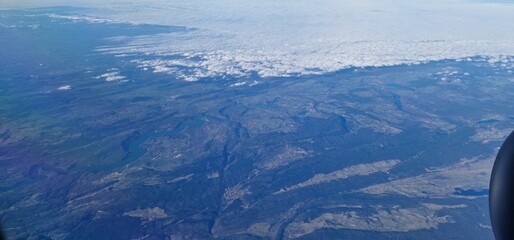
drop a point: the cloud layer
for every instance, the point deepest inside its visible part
(284, 38)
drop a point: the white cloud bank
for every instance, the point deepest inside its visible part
(290, 37)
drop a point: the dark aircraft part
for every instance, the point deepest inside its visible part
(1, 234)
(501, 192)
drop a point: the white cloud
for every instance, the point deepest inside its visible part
(80, 18)
(284, 38)
(244, 83)
(111, 76)
(64, 88)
